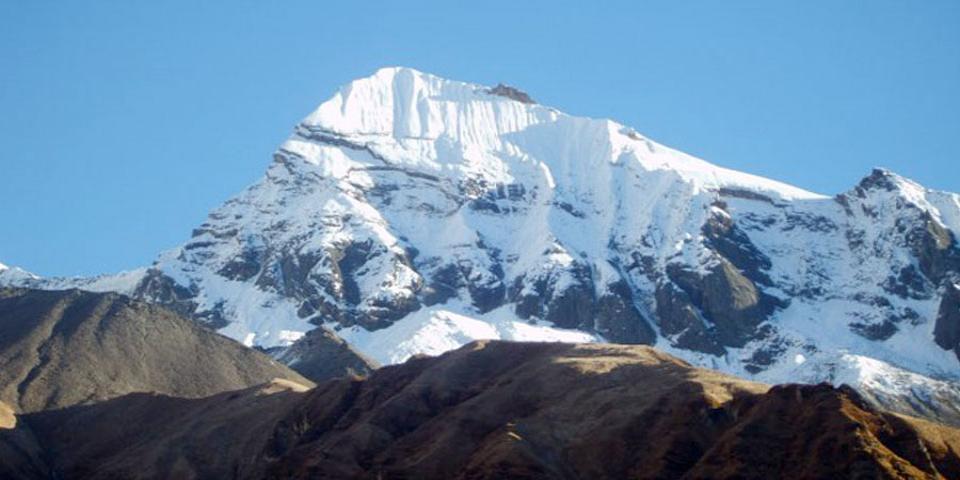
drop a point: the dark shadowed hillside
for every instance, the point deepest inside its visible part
(61, 348)
(502, 410)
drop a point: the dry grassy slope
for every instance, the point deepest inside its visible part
(7, 418)
(502, 410)
(61, 348)
(156, 436)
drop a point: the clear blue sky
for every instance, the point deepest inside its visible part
(123, 122)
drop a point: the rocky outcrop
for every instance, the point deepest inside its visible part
(681, 322)
(936, 256)
(721, 308)
(321, 355)
(617, 318)
(935, 249)
(511, 93)
(734, 304)
(480, 281)
(732, 243)
(155, 287)
(946, 331)
(568, 298)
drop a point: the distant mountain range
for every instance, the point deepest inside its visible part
(410, 214)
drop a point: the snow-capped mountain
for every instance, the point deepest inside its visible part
(412, 214)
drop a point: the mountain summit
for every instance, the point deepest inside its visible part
(412, 214)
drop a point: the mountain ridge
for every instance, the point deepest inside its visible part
(496, 409)
(410, 214)
(63, 348)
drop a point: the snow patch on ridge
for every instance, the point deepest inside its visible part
(434, 330)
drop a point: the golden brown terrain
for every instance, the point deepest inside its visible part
(501, 410)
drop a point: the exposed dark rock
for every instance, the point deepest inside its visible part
(573, 307)
(566, 207)
(346, 264)
(287, 273)
(443, 285)
(158, 288)
(909, 283)
(482, 281)
(511, 93)
(910, 315)
(879, 178)
(811, 223)
(726, 238)
(618, 319)
(484, 204)
(488, 292)
(528, 299)
(319, 134)
(354, 256)
(744, 194)
(855, 238)
(569, 307)
(321, 355)
(494, 199)
(844, 202)
(875, 331)
(613, 314)
(766, 355)
(679, 318)
(242, 267)
(732, 304)
(946, 331)
(405, 171)
(935, 248)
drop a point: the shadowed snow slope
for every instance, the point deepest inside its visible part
(413, 214)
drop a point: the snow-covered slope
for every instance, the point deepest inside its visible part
(412, 214)
(123, 282)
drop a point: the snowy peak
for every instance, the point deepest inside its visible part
(885, 180)
(883, 183)
(473, 129)
(407, 104)
(884, 189)
(411, 214)
(15, 276)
